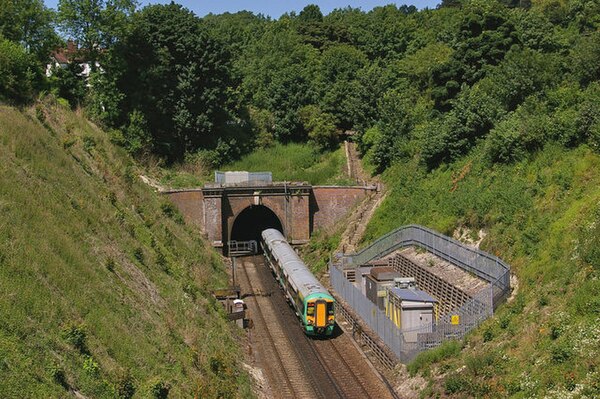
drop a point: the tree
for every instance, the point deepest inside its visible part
(311, 13)
(177, 77)
(338, 71)
(280, 76)
(29, 23)
(95, 24)
(68, 84)
(320, 127)
(586, 58)
(485, 34)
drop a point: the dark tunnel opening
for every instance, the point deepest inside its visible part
(250, 223)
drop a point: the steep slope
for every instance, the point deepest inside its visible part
(103, 290)
(542, 215)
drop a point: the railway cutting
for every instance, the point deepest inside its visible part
(296, 365)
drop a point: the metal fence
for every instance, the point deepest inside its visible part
(486, 266)
(407, 343)
(243, 178)
(242, 248)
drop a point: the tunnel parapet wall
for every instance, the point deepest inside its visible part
(333, 203)
(190, 203)
(300, 207)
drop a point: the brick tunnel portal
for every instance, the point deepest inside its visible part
(250, 223)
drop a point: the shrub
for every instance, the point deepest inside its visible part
(446, 350)
(89, 143)
(168, 209)
(135, 135)
(18, 72)
(521, 133)
(68, 84)
(561, 352)
(488, 334)
(455, 383)
(480, 364)
(58, 375)
(138, 254)
(76, 336)
(91, 367)
(125, 387)
(110, 265)
(159, 389)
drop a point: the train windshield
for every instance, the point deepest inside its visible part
(330, 308)
(310, 310)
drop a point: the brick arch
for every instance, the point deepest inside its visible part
(252, 220)
(237, 205)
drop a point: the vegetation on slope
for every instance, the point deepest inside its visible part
(295, 162)
(541, 216)
(288, 162)
(103, 290)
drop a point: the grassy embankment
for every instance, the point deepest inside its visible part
(543, 217)
(287, 162)
(103, 290)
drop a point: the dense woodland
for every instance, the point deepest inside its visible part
(429, 84)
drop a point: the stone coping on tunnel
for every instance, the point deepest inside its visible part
(212, 186)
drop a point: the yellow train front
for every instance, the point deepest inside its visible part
(313, 303)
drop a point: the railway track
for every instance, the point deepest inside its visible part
(298, 366)
(285, 370)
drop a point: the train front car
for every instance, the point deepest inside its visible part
(312, 302)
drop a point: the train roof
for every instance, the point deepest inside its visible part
(296, 271)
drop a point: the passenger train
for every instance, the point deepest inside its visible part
(312, 302)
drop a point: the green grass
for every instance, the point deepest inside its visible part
(295, 162)
(423, 360)
(100, 288)
(287, 162)
(542, 216)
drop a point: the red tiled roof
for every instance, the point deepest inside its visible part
(71, 53)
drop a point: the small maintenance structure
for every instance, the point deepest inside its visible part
(411, 310)
(454, 310)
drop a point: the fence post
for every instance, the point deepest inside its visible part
(472, 312)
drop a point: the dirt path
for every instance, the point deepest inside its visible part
(359, 218)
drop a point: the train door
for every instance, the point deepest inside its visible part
(321, 314)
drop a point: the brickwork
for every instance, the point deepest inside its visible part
(191, 205)
(301, 209)
(332, 204)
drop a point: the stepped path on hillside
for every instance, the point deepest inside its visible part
(360, 216)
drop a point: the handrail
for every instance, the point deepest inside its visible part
(486, 266)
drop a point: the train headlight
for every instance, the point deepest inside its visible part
(309, 322)
(331, 321)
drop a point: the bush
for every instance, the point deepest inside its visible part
(159, 389)
(136, 138)
(125, 387)
(18, 72)
(91, 367)
(77, 337)
(58, 375)
(446, 350)
(561, 352)
(67, 83)
(455, 383)
(521, 133)
(138, 254)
